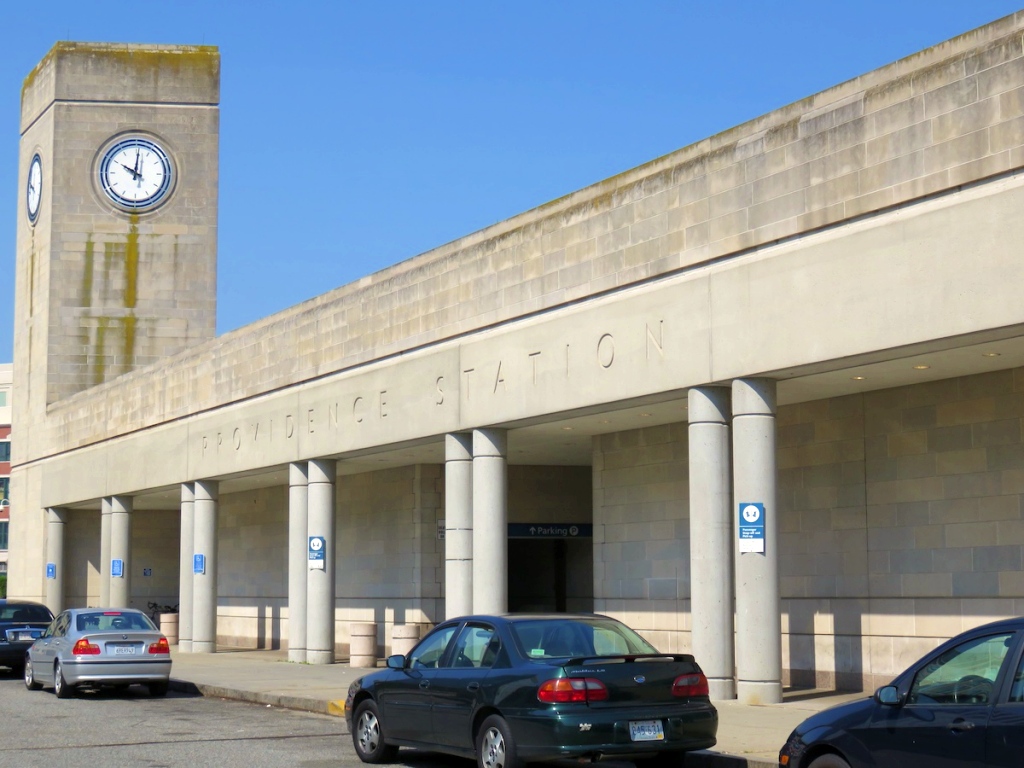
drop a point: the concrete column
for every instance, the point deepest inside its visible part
(204, 585)
(105, 552)
(320, 581)
(55, 520)
(298, 561)
(458, 524)
(711, 594)
(758, 610)
(185, 586)
(490, 521)
(121, 549)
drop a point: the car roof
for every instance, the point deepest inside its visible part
(1014, 623)
(17, 601)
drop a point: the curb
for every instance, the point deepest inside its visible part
(301, 703)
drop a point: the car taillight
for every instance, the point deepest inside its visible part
(160, 646)
(690, 685)
(84, 648)
(569, 690)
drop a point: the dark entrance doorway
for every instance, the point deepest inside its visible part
(550, 575)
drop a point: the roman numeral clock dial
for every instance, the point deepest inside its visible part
(136, 173)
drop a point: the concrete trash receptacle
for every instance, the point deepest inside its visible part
(169, 627)
(404, 637)
(363, 645)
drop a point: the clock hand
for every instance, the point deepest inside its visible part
(135, 174)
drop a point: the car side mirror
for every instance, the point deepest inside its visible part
(888, 696)
(396, 662)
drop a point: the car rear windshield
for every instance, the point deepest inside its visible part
(558, 638)
(35, 613)
(112, 621)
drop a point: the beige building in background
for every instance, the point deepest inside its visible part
(817, 312)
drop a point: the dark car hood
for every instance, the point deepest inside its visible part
(839, 717)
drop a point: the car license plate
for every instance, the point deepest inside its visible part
(28, 634)
(646, 730)
(120, 650)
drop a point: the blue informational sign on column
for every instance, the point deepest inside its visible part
(317, 552)
(751, 528)
(51, 570)
(117, 569)
(198, 563)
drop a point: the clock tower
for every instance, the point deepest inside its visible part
(117, 219)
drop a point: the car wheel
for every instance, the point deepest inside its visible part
(61, 687)
(158, 689)
(829, 761)
(30, 679)
(494, 745)
(368, 735)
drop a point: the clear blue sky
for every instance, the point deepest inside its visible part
(357, 135)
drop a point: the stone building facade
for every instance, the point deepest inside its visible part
(813, 315)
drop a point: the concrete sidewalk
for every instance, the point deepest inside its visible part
(747, 735)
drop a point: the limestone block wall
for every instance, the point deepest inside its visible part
(932, 546)
(154, 542)
(81, 558)
(155, 538)
(252, 568)
(948, 116)
(390, 566)
(642, 532)
(901, 524)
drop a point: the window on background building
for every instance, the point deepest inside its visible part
(5, 488)
(5, 451)
(3, 398)
(3, 536)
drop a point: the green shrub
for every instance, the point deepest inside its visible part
(3, 585)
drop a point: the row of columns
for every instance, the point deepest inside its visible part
(732, 459)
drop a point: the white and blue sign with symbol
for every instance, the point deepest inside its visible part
(198, 563)
(317, 553)
(751, 527)
(117, 568)
(51, 570)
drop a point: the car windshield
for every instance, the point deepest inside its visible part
(112, 621)
(557, 638)
(25, 613)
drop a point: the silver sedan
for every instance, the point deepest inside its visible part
(99, 647)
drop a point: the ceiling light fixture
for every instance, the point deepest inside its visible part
(921, 367)
(990, 354)
(858, 378)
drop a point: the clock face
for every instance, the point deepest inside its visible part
(136, 173)
(34, 188)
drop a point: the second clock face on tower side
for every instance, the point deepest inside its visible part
(136, 173)
(34, 188)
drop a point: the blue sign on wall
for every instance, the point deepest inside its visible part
(751, 528)
(198, 563)
(117, 568)
(550, 530)
(51, 570)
